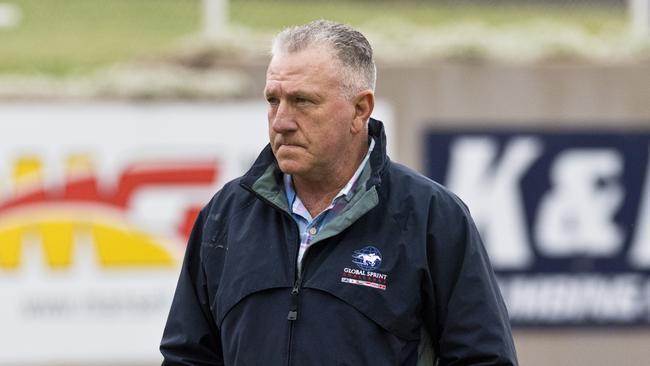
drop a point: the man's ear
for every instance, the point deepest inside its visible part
(364, 103)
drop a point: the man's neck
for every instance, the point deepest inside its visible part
(317, 193)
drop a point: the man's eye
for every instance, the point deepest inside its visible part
(272, 100)
(300, 100)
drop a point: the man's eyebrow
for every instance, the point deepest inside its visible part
(299, 93)
(304, 94)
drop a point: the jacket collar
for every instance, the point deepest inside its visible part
(265, 180)
(378, 157)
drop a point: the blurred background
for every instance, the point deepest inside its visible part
(120, 118)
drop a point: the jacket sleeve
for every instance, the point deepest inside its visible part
(464, 311)
(191, 336)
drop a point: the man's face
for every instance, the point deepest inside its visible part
(309, 117)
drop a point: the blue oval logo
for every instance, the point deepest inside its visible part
(367, 259)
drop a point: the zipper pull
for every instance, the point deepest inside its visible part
(293, 308)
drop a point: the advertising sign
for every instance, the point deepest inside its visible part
(96, 204)
(565, 217)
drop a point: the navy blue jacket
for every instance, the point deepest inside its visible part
(400, 277)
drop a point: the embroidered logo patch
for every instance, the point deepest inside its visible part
(367, 260)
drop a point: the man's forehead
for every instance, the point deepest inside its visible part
(315, 57)
(301, 69)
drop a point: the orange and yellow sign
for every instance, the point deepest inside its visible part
(78, 211)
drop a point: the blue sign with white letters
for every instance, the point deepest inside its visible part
(565, 217)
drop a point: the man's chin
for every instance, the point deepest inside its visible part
(290, 167)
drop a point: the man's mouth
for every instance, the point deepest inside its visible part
(289, 144)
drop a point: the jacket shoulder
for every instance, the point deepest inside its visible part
(408, 184)
(228, 200)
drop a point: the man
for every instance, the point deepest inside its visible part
(327, 253)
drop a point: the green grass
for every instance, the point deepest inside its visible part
(273, 15)
(61, 37)
(70, 37)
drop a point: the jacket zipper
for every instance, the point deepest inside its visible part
(295, 291)
(293, 314)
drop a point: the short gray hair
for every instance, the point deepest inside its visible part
(351, 48)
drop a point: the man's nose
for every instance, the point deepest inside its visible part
(283, 119)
